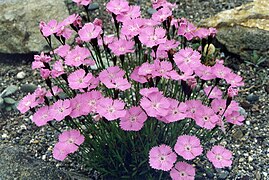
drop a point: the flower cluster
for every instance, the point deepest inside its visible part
(134, 89)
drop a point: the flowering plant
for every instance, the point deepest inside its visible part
(143, 102)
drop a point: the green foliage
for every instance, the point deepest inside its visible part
(255, 60)
(6, 102)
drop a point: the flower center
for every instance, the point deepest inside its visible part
(133, 118)
(188, 148)
(162, 158)
(182, 174)
(111, 109)
(218, 157)
(206, 118)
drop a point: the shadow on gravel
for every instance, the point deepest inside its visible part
(16, 58)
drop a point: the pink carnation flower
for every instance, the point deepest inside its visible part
(220, 71)
(108, 76)
(187, 59)
(82, 2)
(146, 91)
(117, 6)
(182, 171)
(150, 36)
(133, 120)
(79, 79)
(234, 80)
(42, 57)
(138, 78)
(205, 72)
(121, 47)
(89, 31)
(220, 157)
(176, 112)
(155, 104)
(162, 14)
(205, 117)
(89, 101)
(131, 27)
(192, 107)
(60, 109)
(42, 116)
(111, 109)
(232, 91)
(77, 56)
(27, 102)
(235, 118)
(162, 157)
(62, 50)
(133, 13)
(164, 69)
(58, 69)
(72, 139)
(50, 28)
(188, 147)
(77, 106)
(60, 151)
(215, 93)
(187, 30)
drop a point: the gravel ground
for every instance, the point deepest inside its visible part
(250, 142)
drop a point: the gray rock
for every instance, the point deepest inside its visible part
(21, 75)
(19, 23)
(243, 30)
(15, 164)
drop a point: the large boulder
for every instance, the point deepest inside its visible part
(19, 23)
(243, 30)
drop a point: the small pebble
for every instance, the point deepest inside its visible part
(4, 136)
(250, 159)
(21, 75)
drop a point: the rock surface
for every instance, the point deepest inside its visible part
(15, 164)
(19, 23)
(243, 29)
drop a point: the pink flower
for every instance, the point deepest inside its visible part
(133, 13)
(77, 56)
(42, 116)
(220, 157)
(58, 69)
(79, 79)
(220, 71)
(187, 59)
(162, 157)
(232, 91)
(188, 147)
(176, 112)
(111, 109)
(162, 14)
(64, 32)
(131, 27)
(138, 78)
(121, 84)
(108, 75)
(42, 58)
(146, 70)
(82, 2)
(133, 120)
(169, 44)
(187, 30)
(45, 73)
(60, 109)
(164, 69)
(182, 171)
(89, 101)
(205, 117)
(215, 93)
(50, 28)
(155, 104)
(146, 91)
(117, 6)
(55, 89)
(150, 36)
(69, 20)
(26, 103)
(205, 72)
(192, 107)
(234, 80)
(121, 47)
(72, 139)
(60, 151)
(77, 106)
(62, 50)
(89, 31)
(235, 118)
